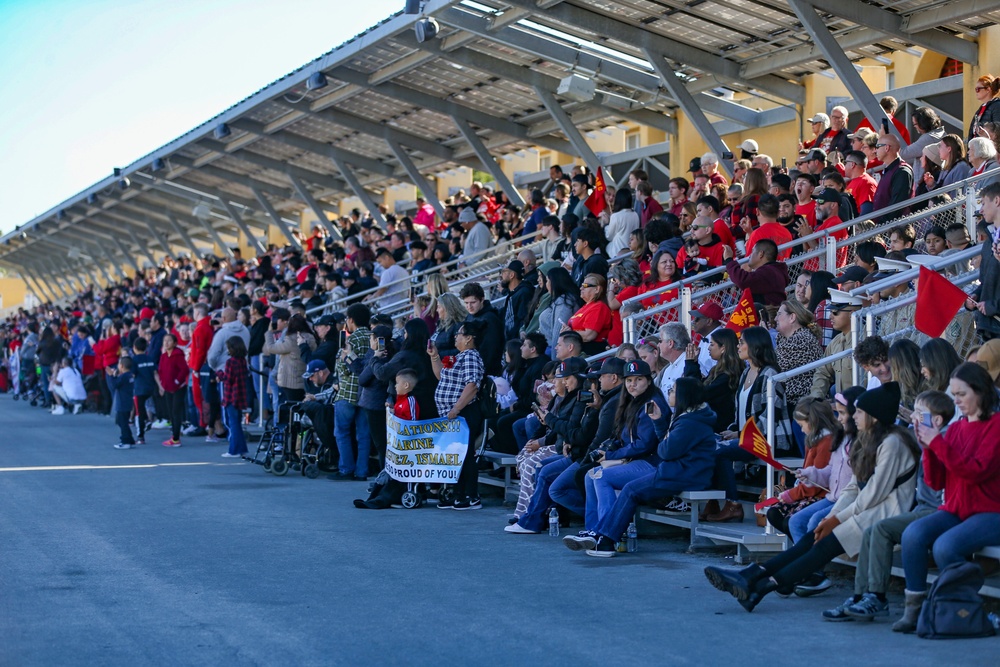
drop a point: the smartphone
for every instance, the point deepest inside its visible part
(380, 343)
(585, 396)
(430, 346)
(535, 407)
(926, 420)
(343, 339)
(885, 125)
(649, 407)
(784, 164)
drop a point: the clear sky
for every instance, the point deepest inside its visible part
(88, 85)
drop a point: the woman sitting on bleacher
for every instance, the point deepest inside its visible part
(884, 461)
(686, 461)
(723, 380)
(634, 455)
(965, 462)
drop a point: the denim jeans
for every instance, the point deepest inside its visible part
(253, 386)
(536, 518)
(951, 540)
(526, 429)
(805, 520)
(725, 476)
(345, 414)
(642, 490)
(232, 417)
(44, 380)
(565, 491)
(602, 492)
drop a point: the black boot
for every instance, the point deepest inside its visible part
(761, 588)
(738, 583)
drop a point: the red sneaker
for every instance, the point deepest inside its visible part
(171, 443)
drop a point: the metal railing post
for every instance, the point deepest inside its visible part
(769, 530)
(970, 211)
(686, 308)
(831, 254)
(855, 367)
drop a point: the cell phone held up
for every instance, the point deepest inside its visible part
(380, 344)
(343, 339)
(585, 397)
(650, 406)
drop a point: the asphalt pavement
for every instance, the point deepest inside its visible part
(157, 556)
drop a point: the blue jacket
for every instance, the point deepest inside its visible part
(78, 349)
(121, 387)
(144, 368)
(688, 452)
(640, 442)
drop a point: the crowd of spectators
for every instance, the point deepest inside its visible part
(201, 346)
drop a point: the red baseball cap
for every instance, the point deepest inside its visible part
(710, 310)
(146, 314)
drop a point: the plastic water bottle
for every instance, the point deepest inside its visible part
(632, 536)
(554, 522)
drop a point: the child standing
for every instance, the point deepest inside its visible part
(145, 383)
(406, 406)
(121, 383)
(234, 380)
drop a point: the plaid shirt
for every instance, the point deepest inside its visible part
(823, 321)
(359, 344)
(468, 368)
(234, 383)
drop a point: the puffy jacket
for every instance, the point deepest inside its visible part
(688, 452)
(290, 363)
(640, 441)
(566, 426)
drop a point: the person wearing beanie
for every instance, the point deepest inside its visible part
(884, 462)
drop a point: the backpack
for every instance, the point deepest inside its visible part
(487, 398)
(953, 608)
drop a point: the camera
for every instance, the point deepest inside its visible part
(727, 155)
(595, 456)
(585, 396)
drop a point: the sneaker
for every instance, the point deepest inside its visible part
(140, 441)
(189, 429)
(678, 506)
(518, 529)
(58, 410)
(77, 409)
(868, 609)
(227, 455)
(211, 438)
(171, 443)
(604, 548)
(813, 586)
(468, 504)
(446, 504)
(124, 445)
(839, 613)
(585, 540)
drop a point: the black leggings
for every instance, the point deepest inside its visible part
(806, 556)
(175, 410)
(140, 412)
(468, 478)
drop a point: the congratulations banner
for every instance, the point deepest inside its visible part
(430, 450)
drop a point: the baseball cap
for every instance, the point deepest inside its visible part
(852, 274)
(315, 366)
(517, 267)
(327, 321)
(826, 196)
(694, 164)
(611, 366)
(750, 146)
(816, 154)
(146, 313)
(820, 118)
(709, 310)
(572, 366)
(637, 368)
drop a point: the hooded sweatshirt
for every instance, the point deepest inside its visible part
(218, 355)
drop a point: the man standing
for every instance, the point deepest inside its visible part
(897, 177)
(706, 319)
(838, 375)
(985, 301)
(805, 184)
(393, 284)
(537, 213)
(518, 293)
(770, 228)
(588, 260)
(674, 340)
(709, 244)
(346, 410)
(581, 191)
(861, 184)
(650, 207)
(828, 216)
(491, 349)
(201, 341)
(477, 237)
(766, 278)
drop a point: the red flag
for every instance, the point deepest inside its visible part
(745, 314)
(752, 440)
(937, 302)
(595, 202)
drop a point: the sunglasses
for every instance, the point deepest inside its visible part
(979, 88)
(586, 286)
(881, 145)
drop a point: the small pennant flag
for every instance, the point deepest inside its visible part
(745, 314)
(753, 441)
(595, 202)
(937, 302)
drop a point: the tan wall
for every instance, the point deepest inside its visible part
(13, 291)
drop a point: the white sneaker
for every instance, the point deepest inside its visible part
(122, 445)
(227, 455)
(59, 410)
(519, 529)
(160, 424)
(77, 409)
(189, 429)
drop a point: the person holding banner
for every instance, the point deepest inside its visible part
(884, 462)
(455, 397)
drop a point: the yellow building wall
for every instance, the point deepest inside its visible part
(13, 292)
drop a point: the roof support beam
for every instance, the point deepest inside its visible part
(841, 64)
(45, 288)
(35, 285)
(688, 105)
(948, 12)
(348, 175)
(251, 237)
(123, 215)
(217, 237)
(891, 24)
(565, 123)
(114, 262)
(183, 234)
(129, 256)
(278, 220)
(54, 283)
(430, 193)
(277, 165)
(308, 198)
(143, 247)
(484, 155)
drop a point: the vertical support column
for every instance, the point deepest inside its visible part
(273, 214)
(251, 238)
(359, 190)
(565, 124)
(430, 194)
(307, 197)
(690, 107)
(479, 148)
(841, 64)
(183, 234)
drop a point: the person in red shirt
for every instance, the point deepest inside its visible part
(171, 379)
(889, 106)
(650, 207)
(678, 190)
(708, 247)
(770, 228)
(201, 340)
(861, 184)
(805, 184)
(316, 240)
(406, 406)
(828, 216)
(709, 207)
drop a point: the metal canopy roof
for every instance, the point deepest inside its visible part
(395, 110)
